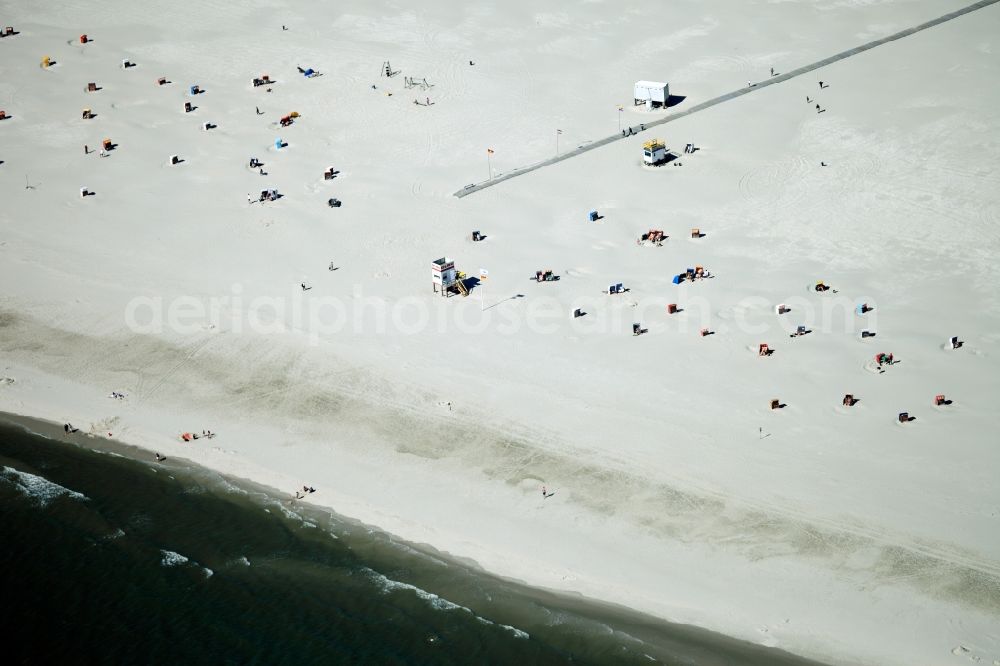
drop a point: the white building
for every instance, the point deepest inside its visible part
(654, 152)
(651, 93)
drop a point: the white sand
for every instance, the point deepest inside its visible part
(840, 535)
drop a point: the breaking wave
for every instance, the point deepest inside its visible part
(171, 559)
(388, 585)
(38, 488)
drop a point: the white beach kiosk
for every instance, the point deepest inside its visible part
(651, 93)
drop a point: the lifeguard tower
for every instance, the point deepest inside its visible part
(444, 277)
(654, 152)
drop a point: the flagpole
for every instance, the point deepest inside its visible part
(489, 163)
(483, 276)
(558, 132)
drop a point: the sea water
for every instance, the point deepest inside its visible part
(108, 558)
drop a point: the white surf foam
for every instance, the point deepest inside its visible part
(514, 630)
(389, 585)
(38, 488)
(171, 559)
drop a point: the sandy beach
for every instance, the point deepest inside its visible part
(310, 340)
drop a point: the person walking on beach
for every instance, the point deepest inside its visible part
(86, 149)
(772, 71)
(808, 101)
(544, 494)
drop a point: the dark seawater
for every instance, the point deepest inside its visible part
(109, 559)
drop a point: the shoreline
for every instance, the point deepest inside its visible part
(657, 634)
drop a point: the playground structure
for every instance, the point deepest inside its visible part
(387, 70)
(414, 82)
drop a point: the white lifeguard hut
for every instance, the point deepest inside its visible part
(651, 93)
(443, 275)
(654, 152)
